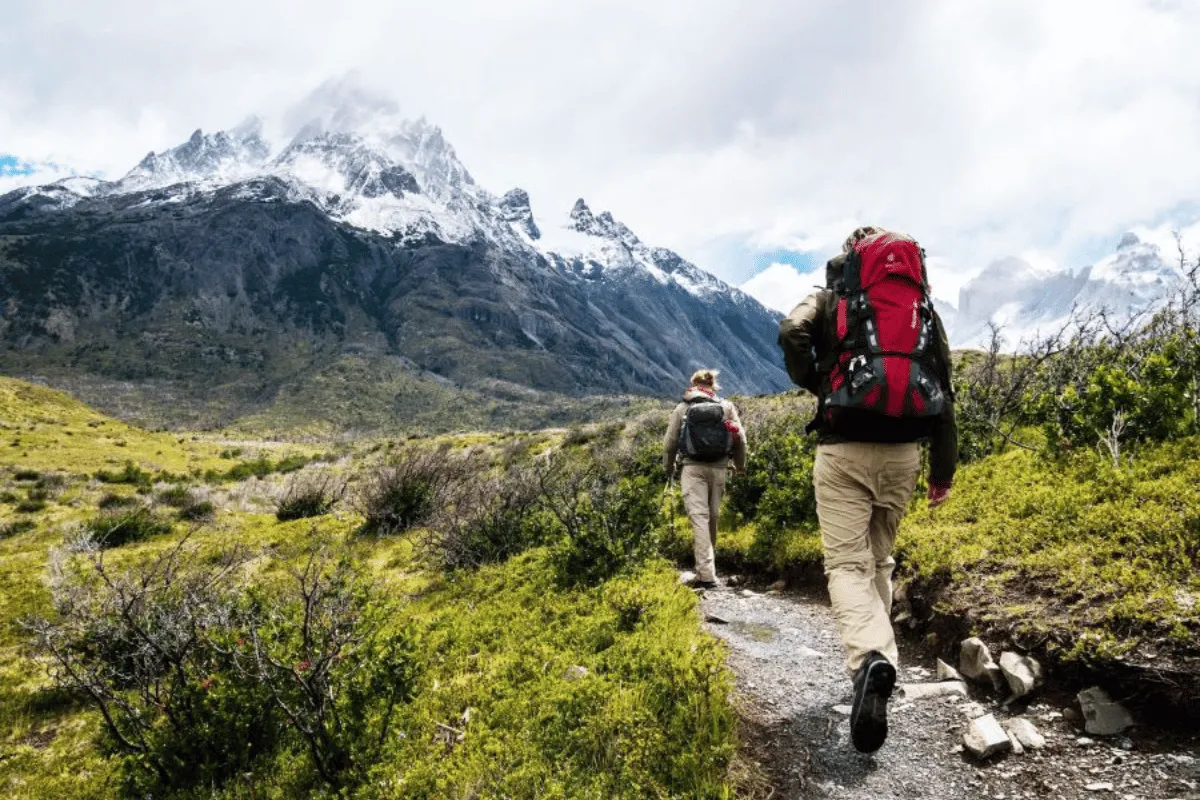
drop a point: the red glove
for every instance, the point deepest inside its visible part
(938, 492)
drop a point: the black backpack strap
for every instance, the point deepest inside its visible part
(852, 273)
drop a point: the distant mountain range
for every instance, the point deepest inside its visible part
(1025, 300)
(231, 278)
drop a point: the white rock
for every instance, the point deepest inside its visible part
(845, 711)
(945, 672)
(985, 738)
(576, 673)
(1099, 787)
(1022, 673)
(1102, 716)
(921, 691)
(687, 577)
(975, 662)
(1025, 733)
(1017, 748)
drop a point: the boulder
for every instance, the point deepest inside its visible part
(1102, 716)
(576, 673)
(1025, 733)
(975, 662)
(1022, 673)
(945, 672)
(985, 738)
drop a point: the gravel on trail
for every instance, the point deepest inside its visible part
(794, 695)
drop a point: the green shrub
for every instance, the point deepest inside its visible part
(110, 500)
(291, 463)
(12, 498)
(492, 520)
(120, 526)
(196, 510)
(309, 496)
(31, 506)
(10, 529)
(202, 677)
(176, 496)
(260, 467)
(608, 522)
(131, 474)
(416, 483)
(1081, 544)
(27, 475)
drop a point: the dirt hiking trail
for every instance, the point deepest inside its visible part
(794, 695)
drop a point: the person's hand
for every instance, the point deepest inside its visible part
(938, 492)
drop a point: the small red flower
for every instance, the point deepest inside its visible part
(206, 684)
(303, 666)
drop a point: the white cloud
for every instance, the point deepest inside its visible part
(781, 287)
(985, 128)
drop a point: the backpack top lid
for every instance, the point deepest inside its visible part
(883, 256)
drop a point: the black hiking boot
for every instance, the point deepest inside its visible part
(873, 684)
(706, 585)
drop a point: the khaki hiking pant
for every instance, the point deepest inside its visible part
(862, 493)
(703, 485)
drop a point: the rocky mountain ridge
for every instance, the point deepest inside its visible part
(220, 266)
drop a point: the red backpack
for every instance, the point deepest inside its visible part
(883, 360)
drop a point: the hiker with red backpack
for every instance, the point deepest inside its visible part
(873, 350)
(705, 434)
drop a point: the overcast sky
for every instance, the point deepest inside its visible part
(738, 133)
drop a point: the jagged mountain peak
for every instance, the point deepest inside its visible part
(515, 208)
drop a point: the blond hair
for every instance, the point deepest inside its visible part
(706, 377)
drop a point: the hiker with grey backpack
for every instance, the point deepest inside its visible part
(704, 439)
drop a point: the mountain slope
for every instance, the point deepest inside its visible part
(220, 274)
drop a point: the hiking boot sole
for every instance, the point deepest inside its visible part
(868, 724)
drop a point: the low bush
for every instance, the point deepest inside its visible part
(10, 529)
(197, 510)
(415, 484)
(310, 496)
(31, 505)
(493, 519)
(176, 496)
(608, 518)
(110, 500)
(26, 475)
(131, 474)
(120, 526)
(201, 677)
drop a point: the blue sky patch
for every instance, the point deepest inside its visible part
(11, 165)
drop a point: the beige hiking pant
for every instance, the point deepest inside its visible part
(862, 493)
(703, 485)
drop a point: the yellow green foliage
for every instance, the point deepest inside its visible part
(42, 428)
(1074, 545)
(605, 691)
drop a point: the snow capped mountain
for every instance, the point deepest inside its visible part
(597, 247)
(1028, 301)
(363, 231)
(354, 156)
(218, 158)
